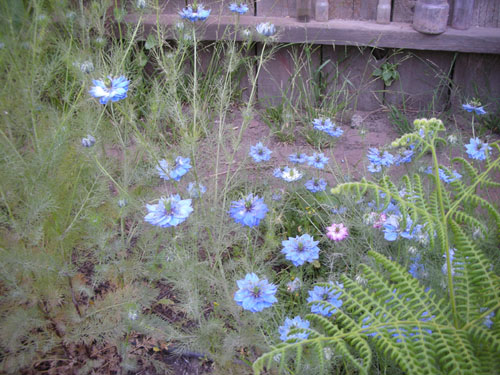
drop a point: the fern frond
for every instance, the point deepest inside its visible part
(463, 218)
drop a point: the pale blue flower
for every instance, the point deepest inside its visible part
(405, 156)
(255, 295)
(169, 212)
(248, 211)
(87, 67)
(300, 249)
(328, 127)
(476, 149)
(294, 323)
(182, 166)
(195, 13)
(298, 158)
(325, 294)
(266, 29)
(89, 141)
(196, 190)
(278, 172)
(238, 8)
(470, 107)
(376, 158)
(291, 174)
(315, 185)
(317, 160)
(444, 269)
(113, 89)
(259, 153)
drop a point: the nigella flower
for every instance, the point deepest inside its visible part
(113, 89)
(291, 174)
(248, 211)
(327, 126)
(322, 124)
(477, 149)
(445, 175)
(337, 232)
(474, 107)
(296, 322)
(293, 285)
(278, 172)
(140, 4)
(315, 185)
(89, 141)
(328, 295)
(182, 166)
(452, 258)
(238, 8)
(122, 203)
(195, 13)
(317, 160)
(300, 249)
(266, 29)
(298, 158)
(378, 159)
(416, 267)
(259, 152)
(405, 156)
(254, 294)
(169, 212)
(392, 228)
(375, 219)
(196, 190)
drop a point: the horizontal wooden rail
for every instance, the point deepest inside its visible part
(345, 32)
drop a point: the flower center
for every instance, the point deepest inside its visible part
(300, 246)
(168, 206)
(256, 292)
(248, 206)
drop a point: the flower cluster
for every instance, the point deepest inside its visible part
(295, 323)
(254, 294)
(288, 174)
(195, 13)
(392, 229)
(196, 190)
(300, 249)
(169, 212)
(379, 160)
(113, 89)
(329, 300)
(259, 153)
(328, 127)
(445, 175)
(238, 8)
(182, 166)
(248, 211)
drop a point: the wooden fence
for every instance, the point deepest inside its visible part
(438, 69)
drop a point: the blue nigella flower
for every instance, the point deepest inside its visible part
(327, 126)
(182, 166)
(298, 158)
(238, 8)
(470, 107)
(477, 149)
(325, 294)
(296, 322)
(169, 212)
(196, 190)
(315, 185)
(384, 160)
(266, 29)
(278, 172)
(248, 211)
(89, 141)
(259, 152)
(416, 267)
(300, 249)
(195, 13)
(254, 294)
(405, 156)
(445, 265)
(444, 175)
(113, 89)
(317, 160)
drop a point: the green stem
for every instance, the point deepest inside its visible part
(195, 82)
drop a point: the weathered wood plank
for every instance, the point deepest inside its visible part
(423, 82)
(344, 9)
(394, 35)
(403, 10)
(350, 75)
(368, 10)
(476, 75)
(277, 8)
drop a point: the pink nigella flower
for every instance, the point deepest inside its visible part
(380, 220)
(337, 232)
